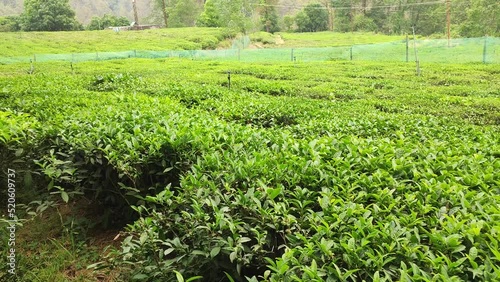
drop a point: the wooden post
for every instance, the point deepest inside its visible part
(350, 53)
(229, 80)
(292, 57)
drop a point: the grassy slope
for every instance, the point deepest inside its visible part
(320, 46)
(28, 43)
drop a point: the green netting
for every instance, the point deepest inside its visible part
(241, 42)
(468, 50)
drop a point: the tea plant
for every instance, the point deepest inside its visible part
(299, 172)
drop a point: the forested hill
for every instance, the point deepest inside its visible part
(86, 9)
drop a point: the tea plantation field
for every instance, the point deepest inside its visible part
(333, 171)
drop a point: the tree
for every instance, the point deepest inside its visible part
(269, 16)
(10, 23)
(48, 15)
(288, 22)
(363, 23)
(329, 10)
(427, 19)
(184, 12)
(480, 19)
(211, 16)
(313, 18)
(343, 15)
(390, 16)
(99, 23)
(160, 12)
(234, 14)
(177, 13)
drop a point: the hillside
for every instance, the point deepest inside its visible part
(86, 9)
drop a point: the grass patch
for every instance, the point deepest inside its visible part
(60, 242)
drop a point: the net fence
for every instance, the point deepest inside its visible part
(463, 50)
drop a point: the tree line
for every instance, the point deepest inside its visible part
(54, 15)
(468, 18)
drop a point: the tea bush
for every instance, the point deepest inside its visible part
(353, 171)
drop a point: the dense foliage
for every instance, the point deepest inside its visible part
(106, 21)
(301, 172)
(11, 23)
(312, 19)
(269, 16)
(468, 18)
(236, 15)
(48, 15)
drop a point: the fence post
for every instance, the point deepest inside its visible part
(34, 57)
(292, 57)
(239, 55)
(407, 48)
(484, 49)
(416, 53)
(350, 53)
(97, 56)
